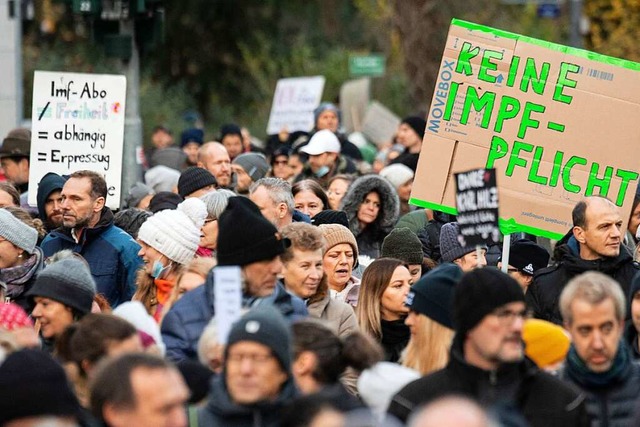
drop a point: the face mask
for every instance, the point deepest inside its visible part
(158, 269)
(322, 171)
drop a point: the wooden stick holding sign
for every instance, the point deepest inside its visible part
(477, 205)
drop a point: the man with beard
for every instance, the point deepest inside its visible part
(88, 229)
(213, 157)
(487, 360)
(599, 361)
(49, 200)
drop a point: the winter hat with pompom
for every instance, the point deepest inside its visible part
(176, 233)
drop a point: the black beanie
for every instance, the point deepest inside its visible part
(329, 216)
(33, 384)
(193, 179)
(527, 256)
(267, 326)
(432, 295)
(418, 124)
(478, 293)
(165, 200)
(47, 185)
(246, 236)
(230, 129)
(191, 135)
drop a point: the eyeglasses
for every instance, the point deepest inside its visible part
(258, 359)
(507, 317)
(281, 162)
(512, 270)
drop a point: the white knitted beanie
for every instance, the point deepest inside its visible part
(176, 233)
(397, 174)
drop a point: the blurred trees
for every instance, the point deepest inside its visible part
(615, 27)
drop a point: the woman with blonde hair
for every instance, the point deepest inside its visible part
(381, 310)
(429, 319)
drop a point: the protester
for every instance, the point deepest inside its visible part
(85, 343)
(466, 257)
(256, 381)
(401, 177)
(139, 196)
(632, 327)
(138, 390)
(381, 310)
(63, 293)
(546, 343)
(190, 142)
(34, 392)
(430, 319)
(325, 160)
(20, 259)
(327, 116)
(309, 197)
(164, 200)
(487, 359)
(452, 411)
(231, 138)
(16, 330)
(195, 182)
(339, 260)
(248, 168)
(14, 159)
(410, 134)
(216, 203)
(168, 241)
(210, 350)
(213, 157)
(303, 276)
(130, 220)
(525, 258)
(148, 330)
(599, 362)
(372, 207)
(162, 178)
(593, 244)
(274, 199)
(192, 275)
(9, 195)
(403, 244)
(337, 188)
(248, 240)
(280, 164)
(49, 200)
(89, 230)
(329, 216)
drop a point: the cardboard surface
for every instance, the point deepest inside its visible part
(380, 124)
(557, 124)
(354, 99)
(77, 123)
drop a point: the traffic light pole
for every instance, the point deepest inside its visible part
(131, 167)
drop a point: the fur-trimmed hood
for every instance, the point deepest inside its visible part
(390, 204)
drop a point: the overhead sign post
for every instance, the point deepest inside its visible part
(555, 122)
(77, 123)
(293, 104)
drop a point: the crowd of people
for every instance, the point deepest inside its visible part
(359, 309)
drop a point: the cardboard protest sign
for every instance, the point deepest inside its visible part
(380, 124)
(293, 104)
(557, 124)
(77, 123)
(477, 205)
(354, 99)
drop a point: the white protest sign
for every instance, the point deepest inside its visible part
(380, 124)
(293, 104)
(227, 296)
(77, 123)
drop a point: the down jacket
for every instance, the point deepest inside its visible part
(370, 238)
(543, 295)
(184, 322)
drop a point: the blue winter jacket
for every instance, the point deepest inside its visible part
(112, 255)
(183, 324)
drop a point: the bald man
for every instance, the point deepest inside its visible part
(593, 244)
(213, 157)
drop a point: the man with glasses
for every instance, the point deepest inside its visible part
(599, 361)
(487, 360)
(256, 382)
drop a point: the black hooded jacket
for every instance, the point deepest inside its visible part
(542, 399)
(543, 295)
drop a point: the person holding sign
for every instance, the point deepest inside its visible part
(525, 258)
(325, 160)
(593, 244)
(466, 257)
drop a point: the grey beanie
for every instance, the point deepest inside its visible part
(450, 247)
(264, 325)
(254, 164)
(137, 192)
(216, 202)
(67, 281)
(403, 244)
(17, 232)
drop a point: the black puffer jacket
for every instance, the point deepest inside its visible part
(370, 238)
(543, 294)
(544, 400)
(613, 404)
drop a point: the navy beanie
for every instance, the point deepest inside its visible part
(230, 129)
(432, 295)
(47, 185)
(192, 135)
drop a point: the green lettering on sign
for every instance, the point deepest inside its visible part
(499, 149)
(566, 173)
(532, 79)
(464, 57)
(514, 160)
(451, 100)
(486, 64)
(602, 183)
(527, 121)
(564, 81)
(509, 108)
(627, 176)
(478, 103)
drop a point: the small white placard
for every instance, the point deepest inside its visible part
(77, 123)
(227, 294)
(293, 104)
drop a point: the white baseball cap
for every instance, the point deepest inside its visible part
(323, 141)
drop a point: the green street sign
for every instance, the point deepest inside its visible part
(368, 65)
